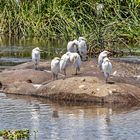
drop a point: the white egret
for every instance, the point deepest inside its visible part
(36, 57)
(55, 67)
(82, 48)
(64, 62)
(76, 59)
(78, 46)
(101, 56)
(107, 68)
(81, 38)
(69, 58)
(72, 46)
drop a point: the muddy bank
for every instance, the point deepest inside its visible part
(90, 89)
(87, 86)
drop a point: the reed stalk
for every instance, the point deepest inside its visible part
(69, 19)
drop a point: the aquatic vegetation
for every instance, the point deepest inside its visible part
(103, 23)
(14, 134)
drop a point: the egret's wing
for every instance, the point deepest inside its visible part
(55, 66)
(64, 62)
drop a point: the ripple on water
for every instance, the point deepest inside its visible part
(72, 122)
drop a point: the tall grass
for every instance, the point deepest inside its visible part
(68, 19)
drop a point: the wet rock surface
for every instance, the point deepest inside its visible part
(87, 86)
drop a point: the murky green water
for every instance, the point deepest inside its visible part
(18, 50)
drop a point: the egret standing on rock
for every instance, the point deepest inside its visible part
(107, 68)
(78, 46)
(76, 60)
(82, 48)
(36, 57)
(101, 56)
(55, 67)
(72, 46)
(69, 58)
(64, 62)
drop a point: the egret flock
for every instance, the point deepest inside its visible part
(76, 53)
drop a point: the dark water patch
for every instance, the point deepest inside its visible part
(23, 46)
(129, 59)
(8, 62)
(14, 60)
(15, 51)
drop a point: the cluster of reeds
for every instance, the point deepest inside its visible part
(103, 22)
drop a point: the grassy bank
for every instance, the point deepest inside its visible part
(118, 21)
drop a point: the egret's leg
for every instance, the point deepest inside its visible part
(107, 76)
(36, 65)
(76, 71)
(53, 76)
(64, 73)
(106, 79)
(56, 76)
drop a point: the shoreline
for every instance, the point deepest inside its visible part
(87, 87)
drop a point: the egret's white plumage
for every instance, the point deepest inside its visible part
(82, 48)
(72, 46)
(69, 58)
(36, 57)
(101, 56)
(81, 38)
(107, 68)
(78, 46)
(55, 67)
(64, 62)
(76, 59)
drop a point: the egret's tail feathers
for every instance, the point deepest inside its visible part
(75, 59)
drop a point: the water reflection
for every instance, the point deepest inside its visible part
(18, 50)
(35, 119)
(15, 50)
(49, 120)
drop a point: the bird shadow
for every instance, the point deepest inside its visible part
(110, 82)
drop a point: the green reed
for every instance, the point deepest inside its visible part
(119, 21)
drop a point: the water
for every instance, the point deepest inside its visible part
(70, 122)
(53, 121)
(129, 59)
(16, 50)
